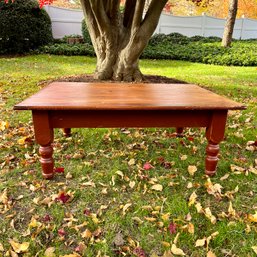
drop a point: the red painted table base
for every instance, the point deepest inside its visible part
(112, 105)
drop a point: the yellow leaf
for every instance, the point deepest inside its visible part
(157, 187)
(209, 215)
(192, 199)
(183, 157)
(132, 184)
(4, 125)
(151, 219)
(86, 234)
(125, 208)
(138, 220)
(177, 251)
(200, 242)
(120, 173)
(191, 228)
(210, 254)
(252, 217)
(3, 197)
(254, 249)
(231, 210)
(49, 252)
(165, 216)
(1, 247)
(199, 207)
(131, 162)
(19, 248)
(191, 169)
(165, 244)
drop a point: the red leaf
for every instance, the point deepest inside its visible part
(63, 197)
(147, 166)
(172, 228)
(139, 252)
(87, 212)
(47, 218)
(61, 232)
(59, 170)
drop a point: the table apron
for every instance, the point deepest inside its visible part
(130, 118)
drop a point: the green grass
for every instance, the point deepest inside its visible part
(110, 197)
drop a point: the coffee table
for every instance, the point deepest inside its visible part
(118, 105)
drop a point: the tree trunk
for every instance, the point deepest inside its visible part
(118, 37)
(229, 27)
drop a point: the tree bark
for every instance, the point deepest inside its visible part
(229, 27)
(118, 37)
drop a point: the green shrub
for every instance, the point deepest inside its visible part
(24, 26)
(69, 50)
(85, 33)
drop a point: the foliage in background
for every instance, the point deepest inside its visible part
(24, 26)
(179, 47)
(85, 33)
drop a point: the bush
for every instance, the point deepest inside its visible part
(24, 26)
(85, 33)
(69, 50)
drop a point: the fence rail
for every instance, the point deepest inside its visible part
(68, 22)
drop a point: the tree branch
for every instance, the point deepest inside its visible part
(129, 11)
(140, 4)
(152, 16)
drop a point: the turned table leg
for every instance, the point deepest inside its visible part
(179, 131)
(44, 137)
(214, 134)
(67, 132)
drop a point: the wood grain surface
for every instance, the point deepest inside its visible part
(125, 96)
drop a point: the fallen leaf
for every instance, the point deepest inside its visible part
(120, 173)
(200, 242)
(157, 187)
(252, 217)
(147, 166)
(125, 208)
(49, 252)
(19, 248)
(3, 197)
(172, 228)
(210, 254)
(192, 199)
(191, 228)
(209, 215)
(86, 234)
(132, 184)
(183, 157)
(131, 162)
(167, 254)
(177, 251)
(254, 249)
(139, 252)
(231, 210)
(191, 169)
(1, 247)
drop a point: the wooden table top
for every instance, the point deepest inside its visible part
(124, 96)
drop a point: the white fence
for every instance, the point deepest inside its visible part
(68, 22)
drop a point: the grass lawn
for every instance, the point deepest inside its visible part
(127, 192)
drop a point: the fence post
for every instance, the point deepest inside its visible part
(203, 23)
(242, 27)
